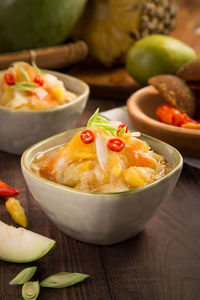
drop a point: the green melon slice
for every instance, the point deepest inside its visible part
(21, 245)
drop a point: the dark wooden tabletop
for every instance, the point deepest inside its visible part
(161, 263)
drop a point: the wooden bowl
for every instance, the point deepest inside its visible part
(141, 108)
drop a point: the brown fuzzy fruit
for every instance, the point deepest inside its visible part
(176, 92)
(190, 72)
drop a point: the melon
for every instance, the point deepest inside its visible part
(37, 23)
(20, 245)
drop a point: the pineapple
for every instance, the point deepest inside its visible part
(110, 26)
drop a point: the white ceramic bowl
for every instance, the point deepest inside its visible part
(21, 129)
(100, 218)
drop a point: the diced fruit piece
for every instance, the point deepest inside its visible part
(16, 211)
(141, 159)
(76, 149)
(136, 176)
(86, 165)
(23, 276)
(113, 164)
(7, 95)
(56, 92)
(21, 245)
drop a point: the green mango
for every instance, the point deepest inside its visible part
(156, 54)
(27, 24)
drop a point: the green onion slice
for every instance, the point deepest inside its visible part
(30, 290)
(23, 276)
(63, 279)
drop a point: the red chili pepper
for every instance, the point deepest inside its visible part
(165, 113)
(87, 136)
(181, 118)
(9, 78)
(170, 115)
(116, 145)
(7, 191)
(39, 80)
(119, 128)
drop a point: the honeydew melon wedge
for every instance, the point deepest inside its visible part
(20, 245)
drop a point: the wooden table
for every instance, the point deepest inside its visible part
(161, 263)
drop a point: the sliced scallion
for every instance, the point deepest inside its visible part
(24, 74)
(23, 276)
(122, 131)
(92, 118)
(107, 127)
(63, 279)
(30, 290)
(37, 69)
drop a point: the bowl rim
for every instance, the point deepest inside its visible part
(92, 194)
(153, 122)
(78, 99)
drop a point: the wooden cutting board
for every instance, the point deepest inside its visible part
(115, 82)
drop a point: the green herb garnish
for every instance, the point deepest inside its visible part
(30, 290)
(122, 131)
(101, 122)
(24, 74)
(25, 86)
(63, 279)
(92, 118)
(24, 276)
(107, 127)
(37, 69)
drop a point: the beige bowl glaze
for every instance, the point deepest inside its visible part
(100, 218)
(141, 108)
(21, 129)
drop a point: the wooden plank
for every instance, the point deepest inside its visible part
(69, 255)
(161, 262)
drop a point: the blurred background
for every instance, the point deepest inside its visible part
(90, 38)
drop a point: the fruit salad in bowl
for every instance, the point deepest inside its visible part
(35, 104)
(105, 157)
(26, 87)
(101, 184)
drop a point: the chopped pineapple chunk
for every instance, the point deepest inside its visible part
(137, 176)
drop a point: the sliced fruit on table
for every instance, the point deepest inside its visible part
(157, 54)
(21, 245)
(110, 26)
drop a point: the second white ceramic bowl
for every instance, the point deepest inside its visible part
(21, 129)
(100, 218)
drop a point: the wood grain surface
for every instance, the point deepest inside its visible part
(161, 263)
